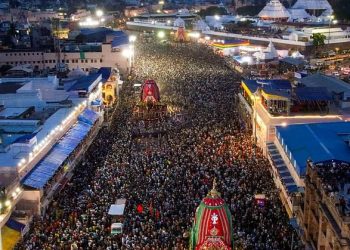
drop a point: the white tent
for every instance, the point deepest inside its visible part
(312, 5)
(201, 25)
(274, 10)
(179, 22)
(298, 14)
(271, 50)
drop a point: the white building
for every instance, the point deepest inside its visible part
(40, 60)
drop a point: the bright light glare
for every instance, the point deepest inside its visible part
(217, 17)
(284, 124)
(89, 22)
(132, 38)
(247, 59)
(207, 38)
(127, 53)
(99, 13)
(195, 35)
(161, 34)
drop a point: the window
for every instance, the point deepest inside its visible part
(62, 60)
(50, 61)
(32, 54)
(39, 62)
(100, 60)
(67, 61)
(92, 61)
(6, 54)
(82, 61)
(86, 61)
(37, 54)
(95, 60)
(45, 61)
(19, 54)
(15, 54)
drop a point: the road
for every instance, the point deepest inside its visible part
(164, 176)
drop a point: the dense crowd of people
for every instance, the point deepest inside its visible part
(163, 177)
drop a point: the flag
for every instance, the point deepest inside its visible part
(139, 208)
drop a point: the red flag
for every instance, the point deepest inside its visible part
(139, 208)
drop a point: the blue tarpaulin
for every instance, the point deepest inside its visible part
(46, 168)
(313, 94)
(320, 142)
(88, 116)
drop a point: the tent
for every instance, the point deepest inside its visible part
(274, 10)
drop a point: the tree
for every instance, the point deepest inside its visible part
(318, 40)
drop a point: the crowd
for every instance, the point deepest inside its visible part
(164, 177)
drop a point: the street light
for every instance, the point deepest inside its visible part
(161, 34)
(331, 20)
(132, 38)
(99, 13)
(129, 53)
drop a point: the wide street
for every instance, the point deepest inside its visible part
(164, 176)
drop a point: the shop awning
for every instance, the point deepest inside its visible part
(47, 167)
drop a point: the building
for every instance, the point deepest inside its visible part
(270, 103)
(324, 143)
(45, 128)
(82, 56)
(327, 205)
(274, 11)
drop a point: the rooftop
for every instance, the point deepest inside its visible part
(321, 142)
(12, 112)
(333, 84)
(10, 87)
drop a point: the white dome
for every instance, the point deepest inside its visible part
(201, 25)
(179, 22)
(274, 10)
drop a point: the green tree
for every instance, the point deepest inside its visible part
(318, 40)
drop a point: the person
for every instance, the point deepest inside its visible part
(167, 166)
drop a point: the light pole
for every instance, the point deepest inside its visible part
(127, 53)
(99, 14)
(331, 20)
(132, 40)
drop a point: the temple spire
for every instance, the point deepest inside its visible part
(213, 192)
